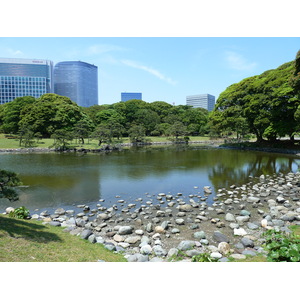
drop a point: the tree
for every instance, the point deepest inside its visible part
(62, 139)
(8, 180)
(137, 134)
(295, 78)
(177, 129)
(103, 134)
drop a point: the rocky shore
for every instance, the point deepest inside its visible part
(168, 227)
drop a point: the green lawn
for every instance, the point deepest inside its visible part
(13, 143)
(31, 241)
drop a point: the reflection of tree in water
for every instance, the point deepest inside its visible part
(237, 169)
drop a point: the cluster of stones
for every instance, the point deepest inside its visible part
(231, 227)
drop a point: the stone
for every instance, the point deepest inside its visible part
(139, 232)
(159, 229)
(175, 230)
(9, 210)
(290, 216)
(252, 199)
(156, 259)
(125, 230)
(185, 208)
(192, 252)
(229, 217)
(99, 240)
(173, 252)
(247, 242)
(92, 239)
(118, 238)
(165, 225)
(220, 237)
(252, 226)
(132, 239)
(159, 251)
(110, 246)
(242, 219)
(216, 255)
(199, 235)
(179, 221)
(245, 213)
(207, 190)
(54, 223)
(149, 227)
(103, 216)
(146, 250)
(35, 216)
(238, 256)
(60, 211)
(186, 245)
(239, 231)
(160, 213)
(249, 252)
(224, 248)
(85, 234)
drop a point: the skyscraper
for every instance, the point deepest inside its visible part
(130, 96)
(77, 80)
(24, 77)
(206, 101)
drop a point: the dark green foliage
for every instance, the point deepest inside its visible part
(20, 213)
(282, 247)
(8, 180)
(203, 257)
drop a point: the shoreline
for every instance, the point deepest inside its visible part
(231, 228)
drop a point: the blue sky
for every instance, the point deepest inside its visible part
(161, 68)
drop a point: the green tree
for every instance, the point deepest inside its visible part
(102, 134)
(9, 180)
(137, 134)
(177, 129)
(62, 139)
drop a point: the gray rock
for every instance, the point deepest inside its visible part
(173, 252)
(175, 230)
(216, 255)
(245, 213)
(85, 234)
(156, 259)
(252, 226)
(252, 199)
(247, 242)
(229, 217)
(125, 230)
(110, 246)
(185, 208)
(220, 237)
(92, 239)
(103, 216)
(186, 245)
(132, 239)
(192, 252)
(60, 211)
(54, 223)
(242, 219)
(159, 251)
(249, 252)
(99, 240)
(146, 249)
(165, 225)
(199, 235)
(149, 227)
(179, 221)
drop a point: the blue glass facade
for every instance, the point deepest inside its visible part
(78, 81)
(130, 96)
(24, 77)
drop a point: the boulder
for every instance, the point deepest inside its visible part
(220, 237)
(85, 234)
(125, 230)
(185, 208)
(224, 248)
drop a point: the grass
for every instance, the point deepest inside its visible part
(31, 241)
(13, 143)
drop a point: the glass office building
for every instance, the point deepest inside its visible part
(206, 101)
(24, 77)
(130, 96)
(78, 81)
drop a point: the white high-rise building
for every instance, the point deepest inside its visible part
(206, 101)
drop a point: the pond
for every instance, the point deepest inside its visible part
(68, 179)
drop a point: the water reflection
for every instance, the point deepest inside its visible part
(65, 179)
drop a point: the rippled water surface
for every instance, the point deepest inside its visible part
(64, 180)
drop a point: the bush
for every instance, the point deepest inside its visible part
(20, 213)
(203, 257)
(282, 246)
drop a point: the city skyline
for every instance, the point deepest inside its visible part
(162, 68)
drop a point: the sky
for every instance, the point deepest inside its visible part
(161, 68)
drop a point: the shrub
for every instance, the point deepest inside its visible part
(282, 246)
(203, 257)
(20, 213)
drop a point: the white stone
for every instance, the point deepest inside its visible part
(239, 231)
(216, 255)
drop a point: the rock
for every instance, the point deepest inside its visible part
(242, 219)
(99, 240)
(132, 239)
(249, 252)
(220, 237)
(192, 252)
(146, 250)
(264, 223)
(160, 213)
(173, 252)
(290, 216)
(60, 211)
(229, 217)
(185, 208)
(35, 216)
(139, 232)
(186, 245)
(9, 210)
(159, 251)
(252, 199)
(92, 239)
(125, 230)
(110, 246)
(54, 223)
(252, 226)
(247, 242)
(175, 230)
(156, 259)
(103, 216)
(118, 238)
(215, 255)
(179, 221)
(85, 234)
(245, 213)
(165, 225)
(149, 227)
(238, 256)
(199, 235)
(224, 248)
(207, 190)
(159, 229)
(239, 231)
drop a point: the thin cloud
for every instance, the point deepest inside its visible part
(150, 70)
(237, 62)
(12, 52)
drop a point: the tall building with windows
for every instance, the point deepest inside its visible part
(77, 80)
(130, 96)
(24, 77)
(206, 101)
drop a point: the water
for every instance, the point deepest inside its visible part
(66, 180)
